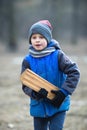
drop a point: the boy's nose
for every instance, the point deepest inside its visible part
(37, 39)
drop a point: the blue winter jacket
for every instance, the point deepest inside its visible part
(47, 68)
(58, 69)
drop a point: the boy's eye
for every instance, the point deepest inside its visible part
(41, 37)
(34, 37)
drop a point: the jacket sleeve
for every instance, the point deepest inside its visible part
(26, 89)
(71, 70)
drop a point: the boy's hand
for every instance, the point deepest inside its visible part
(58, 99)
(41, 94)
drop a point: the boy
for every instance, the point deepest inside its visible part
(47, 60)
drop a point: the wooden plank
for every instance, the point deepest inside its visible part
(35, 82)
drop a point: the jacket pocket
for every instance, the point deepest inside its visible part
(36, 108)
(33, 102)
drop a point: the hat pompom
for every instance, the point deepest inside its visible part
(46, 22)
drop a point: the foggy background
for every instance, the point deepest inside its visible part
(68, 18)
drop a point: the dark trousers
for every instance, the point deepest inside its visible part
(55, 122)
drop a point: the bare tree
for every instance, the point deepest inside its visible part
(75, 21)
(12, 36)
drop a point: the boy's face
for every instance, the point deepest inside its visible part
(38, 42)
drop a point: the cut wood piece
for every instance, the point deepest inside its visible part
(35, 82)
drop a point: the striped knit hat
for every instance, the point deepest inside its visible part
(42, 27)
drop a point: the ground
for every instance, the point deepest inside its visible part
(14, 104)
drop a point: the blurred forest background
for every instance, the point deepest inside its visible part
(68, 17)
(69, 21)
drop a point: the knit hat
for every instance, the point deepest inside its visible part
(42, 27)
